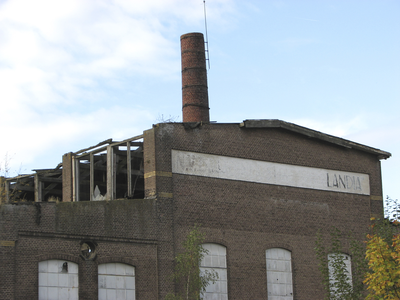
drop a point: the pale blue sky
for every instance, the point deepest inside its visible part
(74, 73)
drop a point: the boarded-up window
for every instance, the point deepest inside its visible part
(216, 260)
(58, 280)
(116, 281)
(279, 274)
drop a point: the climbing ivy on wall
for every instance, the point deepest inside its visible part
(375, 265)
(337, 281)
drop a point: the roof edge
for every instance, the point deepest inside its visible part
(275, 123)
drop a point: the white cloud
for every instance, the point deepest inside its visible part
(39, 136)
(336, 126)
(53, 47)
(56, 57)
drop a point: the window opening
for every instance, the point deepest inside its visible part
(58, 280)
(215, 260)
(88, 250)
(116, 281)
(339, 265)
(279, 274)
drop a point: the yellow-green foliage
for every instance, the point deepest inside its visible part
(187, 269)
(383, 256)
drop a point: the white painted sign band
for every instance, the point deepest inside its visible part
(224, 167)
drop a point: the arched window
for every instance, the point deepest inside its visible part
(58, 279)
(216, 260)
(116, 281)
(339, 264)
(279, 274)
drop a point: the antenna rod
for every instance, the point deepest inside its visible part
(206, 42)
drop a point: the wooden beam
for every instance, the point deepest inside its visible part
(25, 188)
(75, 179)
(129, 168)
(50, 179)
(38, 189)
(20, 177)
(104, 148)
(103, 168)
(110, 173)
(7, 187)
(91, 176)
(134, 153)
(67, 178)
(118, 186)
(50, 187)
(128, 140)
(109, 141)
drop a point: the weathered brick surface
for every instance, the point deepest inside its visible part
(124, 230)
(194, 79)
(247, 218)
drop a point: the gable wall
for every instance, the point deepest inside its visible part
(249, 218)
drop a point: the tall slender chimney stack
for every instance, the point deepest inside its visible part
(194, 79)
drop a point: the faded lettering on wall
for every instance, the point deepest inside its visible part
(343, 181)
(232, 168)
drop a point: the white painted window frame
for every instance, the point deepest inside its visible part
(116, 281)
(279, 274)
(58, 279)
(215, 260)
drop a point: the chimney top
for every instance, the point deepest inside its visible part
(194, 79)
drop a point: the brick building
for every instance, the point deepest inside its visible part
(108, 221)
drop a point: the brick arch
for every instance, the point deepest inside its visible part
(216, 241)
(220, 266)
(113, 259)
(112, 270)
(219, 244)
(59, 256)
(279, 245)
(346, 250)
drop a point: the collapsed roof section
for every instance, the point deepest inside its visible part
(43, 185)
(114, 170)
(106, 171)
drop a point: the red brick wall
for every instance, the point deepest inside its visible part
(194, 79)
(247, 218)
(125, 231)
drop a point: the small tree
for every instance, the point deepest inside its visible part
(392, 209)
(377, 266)
(187, 270)
(383, 256)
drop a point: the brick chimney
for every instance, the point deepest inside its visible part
(194, 79)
